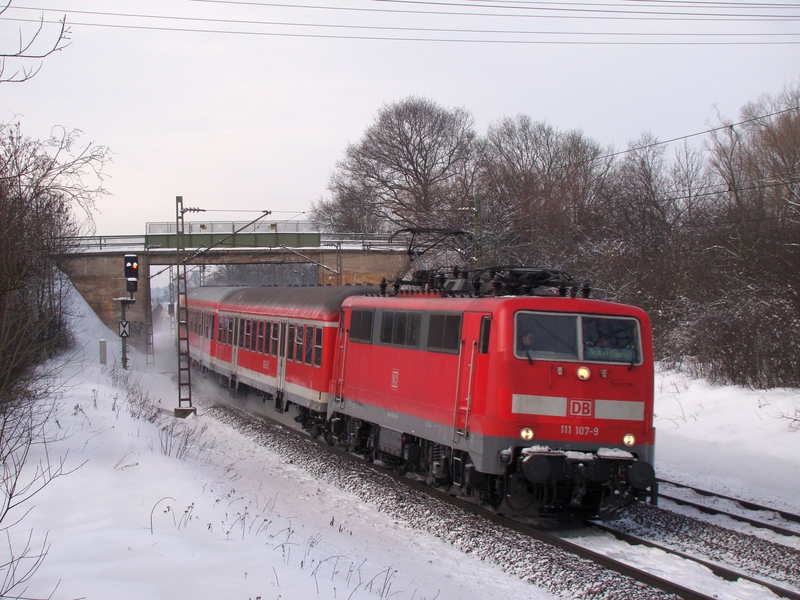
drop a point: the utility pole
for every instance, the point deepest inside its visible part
(185, 407)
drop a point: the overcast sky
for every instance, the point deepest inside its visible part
(256, 118)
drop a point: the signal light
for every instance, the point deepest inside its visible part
(131, 272)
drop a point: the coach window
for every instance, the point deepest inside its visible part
(290, 343)
(240, 341)
(444, 333)
(260, 348)
(299, 340)
(361, 325)
(254, 336)
(212, 330)
(318, 347)
(247, 330)
(275, 338)
(309, 344)
(231, 325)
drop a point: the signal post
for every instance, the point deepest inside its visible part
(131, 285)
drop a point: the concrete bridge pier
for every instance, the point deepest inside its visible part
(99, 278)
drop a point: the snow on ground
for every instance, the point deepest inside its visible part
(231, 520)
(738, 442)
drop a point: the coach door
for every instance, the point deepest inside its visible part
(280, 386)
(474, 343)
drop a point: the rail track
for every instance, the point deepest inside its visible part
(600, 563)
(789, 525)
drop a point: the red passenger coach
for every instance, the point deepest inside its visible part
(277, 340)
(510, 385)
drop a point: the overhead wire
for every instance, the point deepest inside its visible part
(699, 133)
(558, 8)
(408, 29)
(770, 41)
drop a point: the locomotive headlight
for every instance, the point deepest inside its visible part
(629, 439)
(526, 434)
(584, 373)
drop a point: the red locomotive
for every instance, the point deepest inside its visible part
(511, 384)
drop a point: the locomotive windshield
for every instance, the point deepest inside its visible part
(547, 336)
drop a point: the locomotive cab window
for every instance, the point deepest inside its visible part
(610, 340)
(546, 336)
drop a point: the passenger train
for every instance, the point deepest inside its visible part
(510, 383)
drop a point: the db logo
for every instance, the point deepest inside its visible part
(395, 378)
(580, 408)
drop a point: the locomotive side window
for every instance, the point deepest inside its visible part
(361, 325)
(400, 328)
(610, 340)
(387, 326)
(547, 336)
(412, 331)
(444, 332)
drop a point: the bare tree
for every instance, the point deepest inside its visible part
(538, 186)
(408, 170)
(30, 49)
(42, 184)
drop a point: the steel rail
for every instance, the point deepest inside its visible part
(787, 516)
(741, 518)
(719, 570)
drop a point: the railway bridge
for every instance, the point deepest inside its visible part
(95, 265)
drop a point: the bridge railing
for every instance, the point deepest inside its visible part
(363, 241)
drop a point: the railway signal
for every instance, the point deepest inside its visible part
(131, 272)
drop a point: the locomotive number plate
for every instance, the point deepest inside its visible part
(580, 430)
